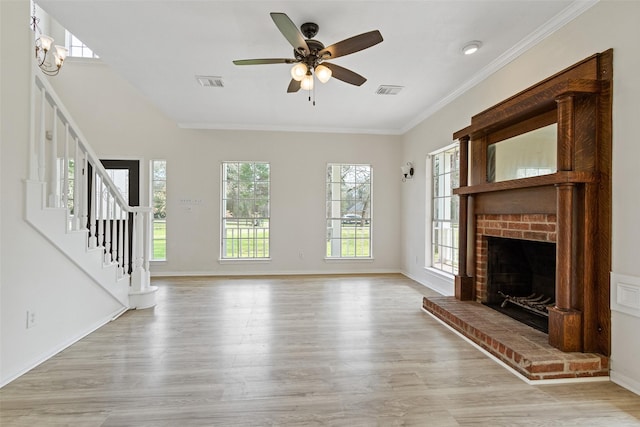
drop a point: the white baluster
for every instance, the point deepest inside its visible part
(42, 139)
(82, 192)
(126, 243)
(76, 183)
(99, 210)
(54, 200)
(121, 241)
(114, 231)
(65, 176)
(93, 238)
(33, 115)
(107, 227)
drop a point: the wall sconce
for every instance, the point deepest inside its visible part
(407, 171)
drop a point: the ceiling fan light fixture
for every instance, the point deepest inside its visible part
(298, 71)
(471, 47)
(307, 82)
(323, 73)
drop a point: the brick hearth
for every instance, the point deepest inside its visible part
(521, 347)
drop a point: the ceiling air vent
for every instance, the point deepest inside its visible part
(210, 81)
(388, 90)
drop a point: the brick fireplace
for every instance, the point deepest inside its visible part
(568, 207)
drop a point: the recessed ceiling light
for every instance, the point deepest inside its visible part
(471, 47)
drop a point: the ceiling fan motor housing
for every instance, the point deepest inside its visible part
(309, 29)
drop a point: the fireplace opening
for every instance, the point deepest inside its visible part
(521, 279)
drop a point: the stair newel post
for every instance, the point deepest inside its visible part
(140, 279)
(107, 226)
(147, 241)
(65, 174)
(42, 138)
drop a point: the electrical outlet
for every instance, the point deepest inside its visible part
(31, 319)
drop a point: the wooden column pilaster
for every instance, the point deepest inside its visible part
(565, 321)
(463, 282)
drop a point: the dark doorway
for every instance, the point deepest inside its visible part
(129, 170)
(126, 176)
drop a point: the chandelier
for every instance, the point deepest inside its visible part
(49, 66)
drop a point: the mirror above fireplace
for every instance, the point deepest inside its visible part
(529, 154)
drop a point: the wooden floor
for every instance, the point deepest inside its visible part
(294, 351)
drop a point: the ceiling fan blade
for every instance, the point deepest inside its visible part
(290, 31)
(294, 86)
(351, 45)
(345, 75)
(264, 61)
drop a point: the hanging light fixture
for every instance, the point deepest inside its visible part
(298, 71)
(49, 66)
(323, 73)
(307, 81)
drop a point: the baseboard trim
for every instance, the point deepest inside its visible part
(48, 355)
(624, 381)
(270, 273)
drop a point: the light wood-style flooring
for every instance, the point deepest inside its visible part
(293, 351)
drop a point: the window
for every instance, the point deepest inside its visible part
(159, 197)
(348, 211)
(78, 49)
(245, 210)
(444, 238)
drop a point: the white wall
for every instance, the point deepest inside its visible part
(120, 123)
(33, 274)
(609, 24)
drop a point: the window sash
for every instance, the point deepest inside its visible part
(445, 166)
(159, 204)
(246, 210)
(348, 208)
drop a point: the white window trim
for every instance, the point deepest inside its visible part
(429, 226)
(371, 243)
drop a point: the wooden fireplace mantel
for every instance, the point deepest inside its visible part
(578, 100)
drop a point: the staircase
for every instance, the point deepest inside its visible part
(72, 201)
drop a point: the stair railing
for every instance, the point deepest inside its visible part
(74, 179)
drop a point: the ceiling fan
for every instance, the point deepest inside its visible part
(310, 55)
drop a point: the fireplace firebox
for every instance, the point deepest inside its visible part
(521, 279)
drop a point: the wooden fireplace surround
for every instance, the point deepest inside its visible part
(578, 99)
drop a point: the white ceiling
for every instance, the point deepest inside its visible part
(159, 46)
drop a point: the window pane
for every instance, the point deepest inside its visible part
(159, 201)
(445, 205)
(348, 211)
(246, 211)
